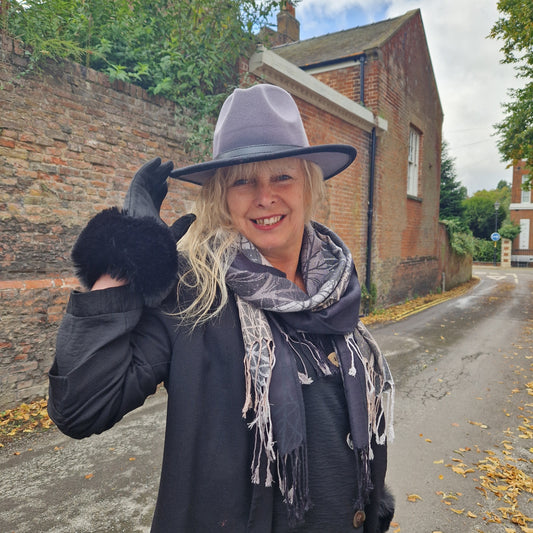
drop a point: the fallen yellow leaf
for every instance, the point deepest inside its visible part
(479, 424)
(413, 497)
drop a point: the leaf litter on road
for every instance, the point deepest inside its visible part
(503, 475)
(26, 418)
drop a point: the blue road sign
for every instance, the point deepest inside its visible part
(495, 236)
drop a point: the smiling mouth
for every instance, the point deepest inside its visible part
(270, 221)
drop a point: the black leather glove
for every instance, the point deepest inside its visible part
(134, 244)
(148, 190)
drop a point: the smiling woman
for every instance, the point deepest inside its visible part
(279, 400)
(270, 208)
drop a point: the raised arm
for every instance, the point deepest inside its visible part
(113, 347)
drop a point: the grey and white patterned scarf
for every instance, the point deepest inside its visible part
(268, 303)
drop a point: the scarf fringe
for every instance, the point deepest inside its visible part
(259, 359)
(379, 387)
(293, 484)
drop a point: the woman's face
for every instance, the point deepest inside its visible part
(269, 208)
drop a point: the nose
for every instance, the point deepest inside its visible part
(264, 193)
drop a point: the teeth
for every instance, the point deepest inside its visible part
(267, 221)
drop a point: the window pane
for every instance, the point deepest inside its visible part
(412, 166)
(526, 195)
(523, 238)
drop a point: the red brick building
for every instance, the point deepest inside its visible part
(521, 209)
(373, 87)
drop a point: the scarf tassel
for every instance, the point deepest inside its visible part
(292, 475)
(258, 379)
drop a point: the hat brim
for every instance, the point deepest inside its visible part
(331, 158)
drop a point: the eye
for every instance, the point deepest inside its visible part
(282, 177)
(240, 182)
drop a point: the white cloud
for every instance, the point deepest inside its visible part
(471, 81)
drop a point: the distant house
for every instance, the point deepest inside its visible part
(521, 209)
(373, 87)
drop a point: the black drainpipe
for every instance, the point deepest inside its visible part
(370, 211)
(362, 61)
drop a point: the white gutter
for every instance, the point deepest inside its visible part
(274, 69)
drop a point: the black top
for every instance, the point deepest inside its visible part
(331, 462)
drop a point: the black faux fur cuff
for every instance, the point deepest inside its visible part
(139, 250)
(386, 510)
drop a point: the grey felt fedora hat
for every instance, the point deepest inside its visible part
(259, 124)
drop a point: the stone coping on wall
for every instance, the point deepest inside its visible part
(43, 283)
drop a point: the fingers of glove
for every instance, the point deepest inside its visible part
(153, 174)
(154, 179)
(182, 225)
(163, 171)
(148, 189)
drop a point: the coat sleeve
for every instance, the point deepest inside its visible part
(111, 353)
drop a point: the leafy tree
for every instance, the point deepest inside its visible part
(480, 212)
(452, 193)
(515, 131)
(184, 50)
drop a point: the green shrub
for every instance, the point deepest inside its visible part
(484, 251)
(461, 238)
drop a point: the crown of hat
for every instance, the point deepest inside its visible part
(263, 115)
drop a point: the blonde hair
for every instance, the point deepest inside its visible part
(210, 244)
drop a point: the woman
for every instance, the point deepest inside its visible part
(276, 392)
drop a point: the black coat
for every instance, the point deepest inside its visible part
(112, 352)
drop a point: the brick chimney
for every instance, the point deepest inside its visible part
(288, 26)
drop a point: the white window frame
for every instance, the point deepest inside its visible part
(523, 237)
(413, 162)
(526, 195)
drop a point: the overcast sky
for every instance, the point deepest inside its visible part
(471, 81)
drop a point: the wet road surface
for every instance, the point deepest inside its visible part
(460, 369)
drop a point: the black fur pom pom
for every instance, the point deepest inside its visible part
(139, 250)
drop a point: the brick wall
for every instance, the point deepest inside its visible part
(400, 87)
(347, 200)
(70, 142)
(457, 269)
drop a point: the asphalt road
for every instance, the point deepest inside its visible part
(460, 369)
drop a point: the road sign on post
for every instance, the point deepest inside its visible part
(495, 237)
